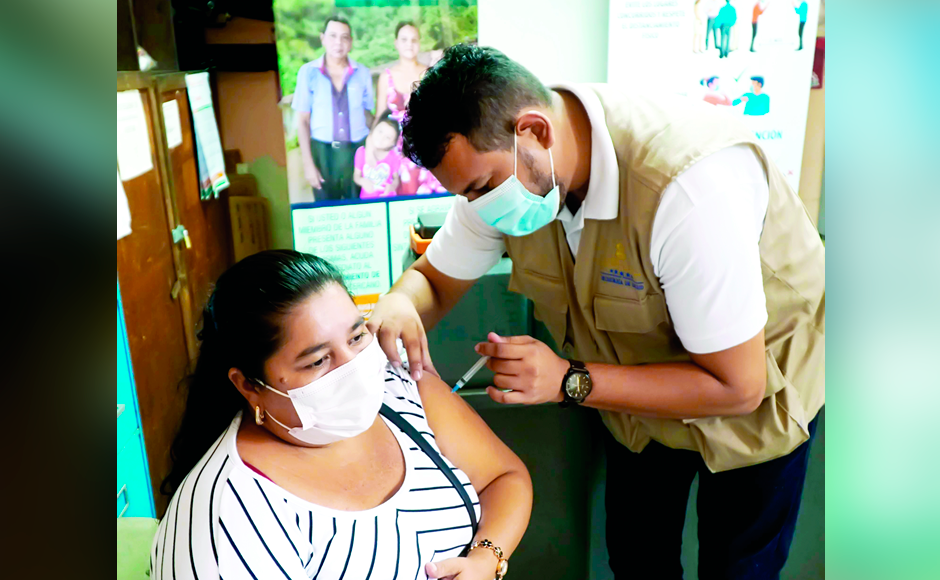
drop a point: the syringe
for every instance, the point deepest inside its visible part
(469, 374)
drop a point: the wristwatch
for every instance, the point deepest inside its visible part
(576, 385)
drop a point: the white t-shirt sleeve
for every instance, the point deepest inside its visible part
(465, 247)
(704, 248)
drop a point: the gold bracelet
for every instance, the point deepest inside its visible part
(502, 564)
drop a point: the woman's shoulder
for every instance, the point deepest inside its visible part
(401, 392)
(190, 522)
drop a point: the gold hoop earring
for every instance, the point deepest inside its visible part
(259, 416)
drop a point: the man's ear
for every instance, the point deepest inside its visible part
(538, 126)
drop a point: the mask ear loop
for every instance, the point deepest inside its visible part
(515, 152)
(269, 415)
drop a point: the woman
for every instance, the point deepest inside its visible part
(304, 454)
(394, 87)
(394, 90)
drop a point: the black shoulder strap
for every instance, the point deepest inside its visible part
(409, 430)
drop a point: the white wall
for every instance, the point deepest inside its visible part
(558, 40)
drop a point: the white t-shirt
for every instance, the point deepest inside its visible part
(704, 244)
(228, 521)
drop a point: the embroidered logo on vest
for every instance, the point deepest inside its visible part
(613, 270)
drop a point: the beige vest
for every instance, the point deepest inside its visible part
(608, 306)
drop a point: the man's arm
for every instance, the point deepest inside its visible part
(464, 247)
(418, 300)
(311, 173)
(728, 382)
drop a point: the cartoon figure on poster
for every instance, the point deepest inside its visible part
(347, 73)
(719, 26)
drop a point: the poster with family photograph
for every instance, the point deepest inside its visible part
(347, 68)
(751, 58)
(346, 71)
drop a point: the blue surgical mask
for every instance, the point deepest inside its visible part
(513, 209)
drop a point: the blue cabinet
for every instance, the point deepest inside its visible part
(134, 493)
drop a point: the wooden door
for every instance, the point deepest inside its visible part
(206, 221)
(147, 271)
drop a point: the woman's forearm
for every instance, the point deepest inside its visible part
(506, 504)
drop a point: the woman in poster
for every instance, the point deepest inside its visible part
(394, 89)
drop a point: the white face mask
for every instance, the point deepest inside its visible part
(341, 404)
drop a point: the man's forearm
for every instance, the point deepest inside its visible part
(303, 139)
(417, 288)
(666, 390)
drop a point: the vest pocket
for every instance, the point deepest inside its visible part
(633, 316)
(549, 296)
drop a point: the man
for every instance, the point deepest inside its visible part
(334, 103)
(725, 21)
(674, 265)
(756, 102)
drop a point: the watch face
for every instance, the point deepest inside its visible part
(578, 385)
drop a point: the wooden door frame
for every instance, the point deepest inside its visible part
(154, 86)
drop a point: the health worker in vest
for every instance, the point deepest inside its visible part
(674, 265)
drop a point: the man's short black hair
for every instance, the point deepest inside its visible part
(337, 18)
(472, 91)
(758, 79)
(403, 24)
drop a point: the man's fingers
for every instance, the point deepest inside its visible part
(502, 350)
(510, 398)
(388, 340)
(411, 337)
(506, 367)
(427, 363)
(521, 339)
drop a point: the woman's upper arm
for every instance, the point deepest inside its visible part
(463, 437)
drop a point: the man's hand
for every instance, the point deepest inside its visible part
(312, 174)
(525, 365)
(394, 317)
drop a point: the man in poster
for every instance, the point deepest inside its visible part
(334, 101)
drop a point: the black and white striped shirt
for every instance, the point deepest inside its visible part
(227, 521)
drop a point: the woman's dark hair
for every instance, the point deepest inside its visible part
(241, 328)
(386, 118)
(474, 91)
(403, 24)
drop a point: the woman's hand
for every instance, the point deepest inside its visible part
(479, 565)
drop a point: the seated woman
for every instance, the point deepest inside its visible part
(337, 469)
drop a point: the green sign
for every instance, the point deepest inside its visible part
(352, 237)
(402, 214)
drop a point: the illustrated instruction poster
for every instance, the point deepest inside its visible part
(751, 58)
